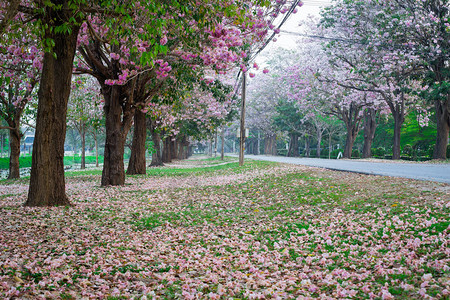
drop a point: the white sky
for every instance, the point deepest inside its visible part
(288, 41)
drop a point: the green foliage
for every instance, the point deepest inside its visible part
(24, 162)
(356, 153)
(335, 152)
(380, 151)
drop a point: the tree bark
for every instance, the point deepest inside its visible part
(14, 145)
(349, 141)
(113, 165)
(83, 145)
(319, 141)
(166, 150)
(370, 126)
(156, 137)
(307, 146)
(398, 121)
(137, 164)
(47, 183)
(222, 138)
(173, 148)
(443, 128)
(352, 121)
(329, 145)
(270, 146)
(293, 145)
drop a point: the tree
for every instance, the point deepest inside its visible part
(84, 111)
(20, 67)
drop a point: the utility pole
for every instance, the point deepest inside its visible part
(242, 135)
(222, 136)
(215, 144)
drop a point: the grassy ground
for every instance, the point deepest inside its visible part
(208, 229)
(25, 161)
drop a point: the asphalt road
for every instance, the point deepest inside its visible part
(420, 171)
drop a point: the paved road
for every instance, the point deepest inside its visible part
(420, 171)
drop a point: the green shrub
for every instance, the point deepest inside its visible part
(408, 150)
(24, 162)
(335, 152)
(356, 153)
(380, 152)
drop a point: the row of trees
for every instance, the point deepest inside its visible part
(151, 60)
(361, 61)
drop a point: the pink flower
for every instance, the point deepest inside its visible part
(265, 71)
(163, 40)
(251, 75)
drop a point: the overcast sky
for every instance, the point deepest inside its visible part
(285, 40)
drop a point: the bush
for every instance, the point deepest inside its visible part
(313, 153)
(408, 150)
(24, 162)
(356, 153)
(380, 152)
(335, 153)
(448, 151)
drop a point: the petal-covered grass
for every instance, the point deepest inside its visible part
(203, 229)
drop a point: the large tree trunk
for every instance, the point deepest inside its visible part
(113, 165)
(156, 137)
(307, 145)
(349, 141)
(137, 164)
(14, 145)
(370, 125)
(83, 145)
(173, 148)
(270, 144)
(443, 128)
(47, 183)
(398, 121)
(329, 145)
(319, 141)
(222, 138)
(293, 145)
(352, 121)
(96, 150)
(166, 154)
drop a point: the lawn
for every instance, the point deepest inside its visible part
(206, 229)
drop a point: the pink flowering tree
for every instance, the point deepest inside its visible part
(84, 111)
(401, 43)
(20, 67)
(131, 76)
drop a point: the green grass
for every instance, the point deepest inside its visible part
(232, 167)
(25, 161)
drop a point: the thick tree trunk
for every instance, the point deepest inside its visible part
(443, 128)
(156, 138)
(173, 148)
(96, 150)
(398, 121)
(349, 141)
(293, 145)
(329, 145)
(137, 164)
(319, 141)
(47, 183)
(222, 138)
(307, 146)
(270, 144)
(370, 125)
(166, 150)
(352, 121)
(83, 146)
(113, 165)
(14, 146)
